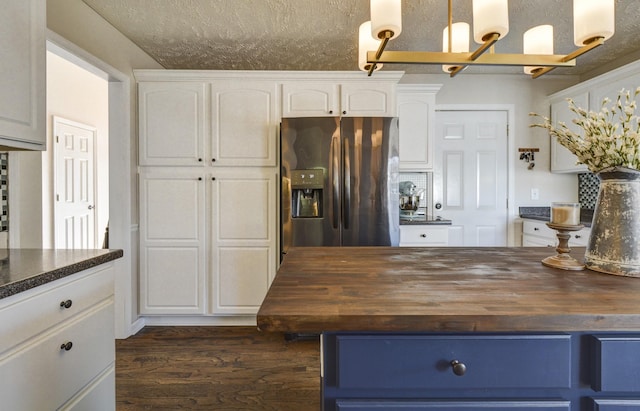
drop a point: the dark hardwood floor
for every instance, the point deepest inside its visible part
(216, 368)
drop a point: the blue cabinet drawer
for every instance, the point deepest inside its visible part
(481, 405)
(426, 362)
(616, 404)
(617, 363)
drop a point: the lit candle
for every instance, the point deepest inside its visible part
(565, 213)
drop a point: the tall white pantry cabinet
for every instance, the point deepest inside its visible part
(207, 178)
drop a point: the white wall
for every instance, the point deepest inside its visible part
(526, 95)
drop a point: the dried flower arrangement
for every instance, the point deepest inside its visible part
(610, 137)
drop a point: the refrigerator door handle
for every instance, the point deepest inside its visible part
(335, 180)
(347, 186)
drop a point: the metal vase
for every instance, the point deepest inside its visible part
(614, 242)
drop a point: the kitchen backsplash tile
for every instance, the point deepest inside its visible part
(588, 186)
(4, 192)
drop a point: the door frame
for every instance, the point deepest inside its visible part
(94, 131)
(123, 229)
(511, 139)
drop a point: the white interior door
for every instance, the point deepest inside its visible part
(74, 184)
(471, 176)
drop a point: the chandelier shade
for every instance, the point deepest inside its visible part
(366, 42)
(592, 19)
(386, 17)
(537, 40)
(490, 16)
(459, 41)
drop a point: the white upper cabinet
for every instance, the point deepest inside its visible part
(244, 123)
(340, 94)
(416, 111)
(310, 99)
(587, 95)
(211, 121)
(23, 75)
(368, 99)
(172, 123)
(562, 160)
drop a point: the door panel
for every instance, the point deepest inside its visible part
(470, 175)
(74, 185)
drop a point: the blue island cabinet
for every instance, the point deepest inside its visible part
(574, 371)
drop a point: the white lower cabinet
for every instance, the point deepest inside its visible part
(207, 240)
(424, 236)
(537, 234)
(243, 239)
(62, 358)
(172, 241)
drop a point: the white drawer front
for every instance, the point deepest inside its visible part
(42, 376)
(538, 228)
(26, 314)
(424, 236)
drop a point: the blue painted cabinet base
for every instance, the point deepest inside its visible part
(576, 371)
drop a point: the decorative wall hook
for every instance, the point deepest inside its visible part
(527, 154)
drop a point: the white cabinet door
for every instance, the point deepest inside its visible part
(172, 123)
(244, 119)
(562, 160)
(365, 99)
(538, 234)
(347, 99)
(172, 252)
(243, 239)
(416, 108)
(23, 75)
(310, 99)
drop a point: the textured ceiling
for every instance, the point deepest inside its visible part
(322, 34)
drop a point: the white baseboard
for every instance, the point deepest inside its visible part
(245, 321)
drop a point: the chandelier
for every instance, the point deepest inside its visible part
(593, 23)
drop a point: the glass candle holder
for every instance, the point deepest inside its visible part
(567, 214)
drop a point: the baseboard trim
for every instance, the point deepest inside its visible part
(244, 321)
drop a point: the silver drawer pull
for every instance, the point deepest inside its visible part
(458, 368)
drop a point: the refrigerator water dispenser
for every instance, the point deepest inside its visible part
(306, 193)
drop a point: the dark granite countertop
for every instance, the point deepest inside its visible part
(425, 221)
(544, 214)
(24, 269)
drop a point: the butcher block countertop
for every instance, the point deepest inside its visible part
(395, 289)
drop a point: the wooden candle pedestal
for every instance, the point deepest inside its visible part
(563, 260)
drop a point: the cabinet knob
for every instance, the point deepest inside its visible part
(344, 112)
(438, 206)
(458, 368)
(578, 236)
(213, 179)
(200, 160)
(199, 178)
(330, 111)
(423, 235)
(66, 304)
(66, 346)
(536, 229)
(213, 160)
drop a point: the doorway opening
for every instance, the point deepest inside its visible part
(76, 164)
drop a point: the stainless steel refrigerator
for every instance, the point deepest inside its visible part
(339, 182)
